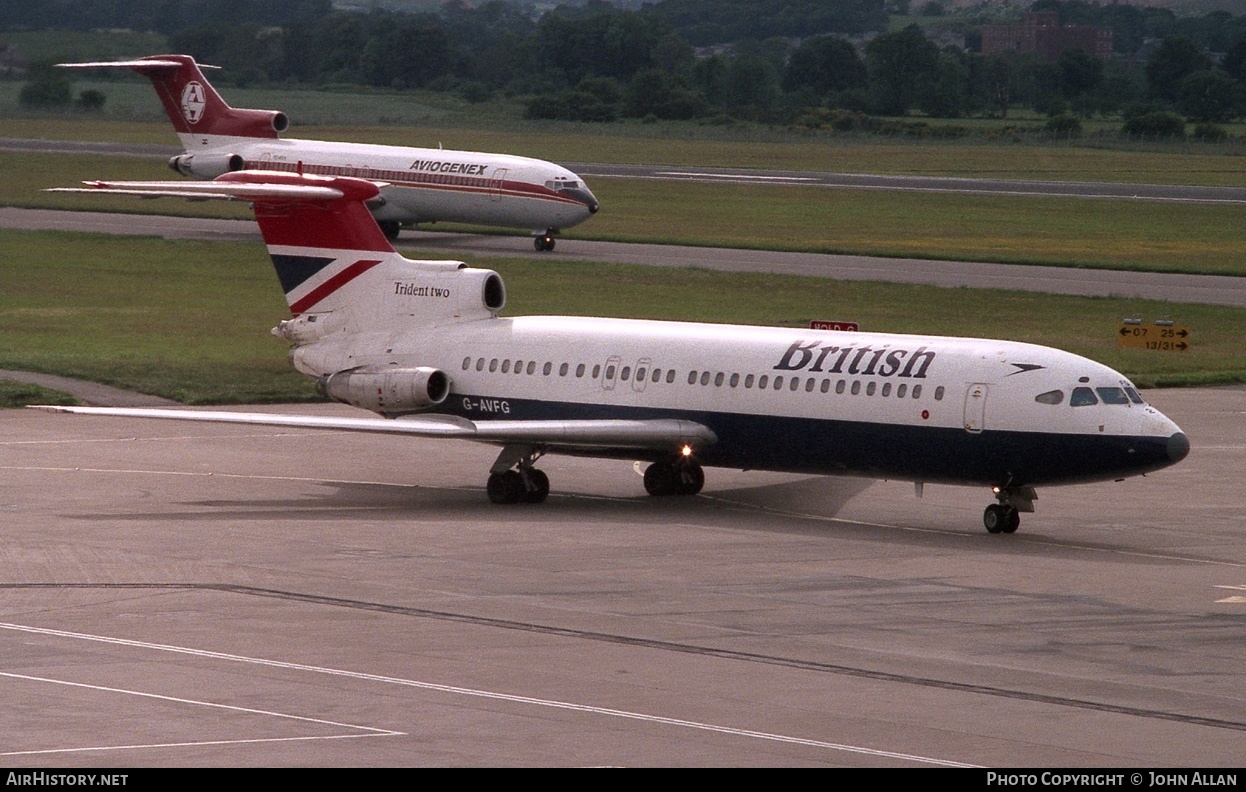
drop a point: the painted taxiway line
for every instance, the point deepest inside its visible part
(370, 731)
(480, 693)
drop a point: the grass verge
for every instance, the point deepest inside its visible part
(19, 394)
(190, 320)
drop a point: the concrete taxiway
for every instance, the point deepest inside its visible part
(175, 594)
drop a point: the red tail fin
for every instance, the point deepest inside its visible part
(193, 105)
(341, 223)
(317, 246)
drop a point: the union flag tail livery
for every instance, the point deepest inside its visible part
(422, 345)
(418, 185)
(319, 247)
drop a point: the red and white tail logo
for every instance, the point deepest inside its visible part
(191, 102)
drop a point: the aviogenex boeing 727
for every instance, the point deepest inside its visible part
(423, 344)
(421, 185)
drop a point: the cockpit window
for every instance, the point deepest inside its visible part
(1134, 396)
(1050, 397)
(562, 184)
(1083, 397)
(1112, 395)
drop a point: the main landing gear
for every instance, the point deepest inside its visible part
(513, 479)
(518, 486)
(682, 476)
(1005, 516)
(545, 242)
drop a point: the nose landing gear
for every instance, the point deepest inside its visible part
(545, 242)
(1005, 516)
(999, 518)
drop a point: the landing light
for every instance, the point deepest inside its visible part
(686, 451)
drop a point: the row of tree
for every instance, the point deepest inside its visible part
(595, 62)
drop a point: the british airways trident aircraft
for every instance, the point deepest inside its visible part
(423, 344)
(421, 185)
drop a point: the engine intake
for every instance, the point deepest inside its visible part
(388, 390)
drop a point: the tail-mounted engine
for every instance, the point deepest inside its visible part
(206, 166)
(388, 390)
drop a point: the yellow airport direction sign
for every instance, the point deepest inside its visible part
(1159, 337)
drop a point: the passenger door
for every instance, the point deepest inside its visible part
(975, 407)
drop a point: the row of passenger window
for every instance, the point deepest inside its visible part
(564, 369)
(392, 176)
(705, 378)
(765, 381)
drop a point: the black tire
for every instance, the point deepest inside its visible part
(691, 479)
(1012, 519)
(505, 488)
(537, 489)
(660, 479)
(994, 518)
(391, 228)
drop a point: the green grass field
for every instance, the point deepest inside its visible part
(190, 320)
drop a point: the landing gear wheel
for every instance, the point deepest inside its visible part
(391, 228)
(674, 478)
(537, 487)
(1001, 518)
(660, 479)
(513, 486)
(506, 488)
(543, 243)
(1013, 521)
(691, 478)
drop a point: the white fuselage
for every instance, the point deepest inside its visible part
(426, 185)
(910, 407)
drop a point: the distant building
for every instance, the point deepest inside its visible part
(1042, 34)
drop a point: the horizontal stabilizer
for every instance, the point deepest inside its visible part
(141, 64)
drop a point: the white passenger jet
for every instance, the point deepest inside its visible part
(422, 343)
(421, 185)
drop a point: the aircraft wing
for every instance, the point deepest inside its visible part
(658, 434)
(227, 190)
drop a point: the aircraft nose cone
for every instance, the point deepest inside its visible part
(1178, 447)
(584, 196)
